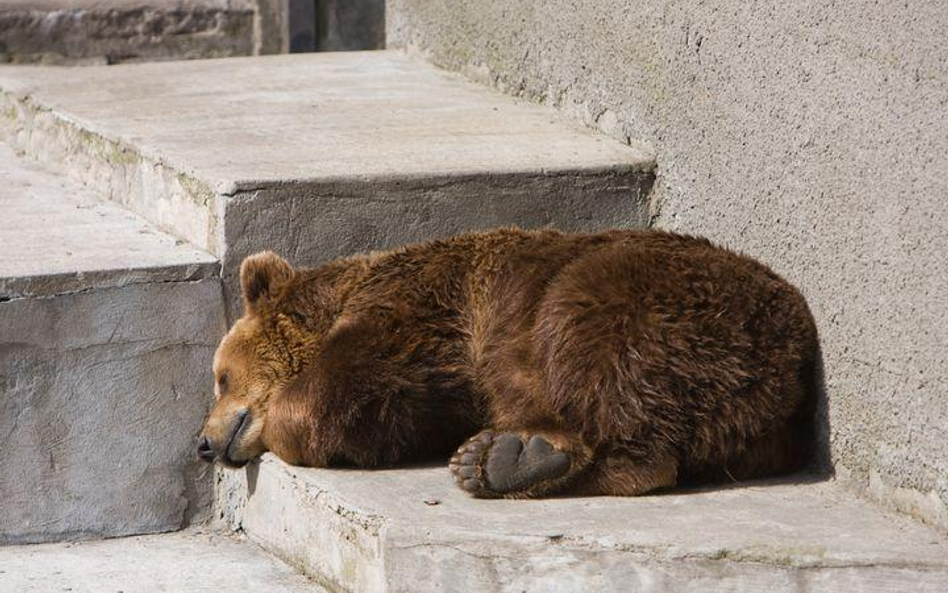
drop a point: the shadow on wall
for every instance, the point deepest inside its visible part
(823, 459)
(336, 25)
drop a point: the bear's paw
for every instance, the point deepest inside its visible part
(491, 465)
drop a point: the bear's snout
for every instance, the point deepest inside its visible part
(223, 437)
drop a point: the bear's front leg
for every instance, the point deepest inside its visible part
(518, 464)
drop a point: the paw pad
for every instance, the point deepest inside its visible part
(492, 464)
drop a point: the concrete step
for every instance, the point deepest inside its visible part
(107, 329)
(318, 155)
(194, 561)
(413, 530)
(110, 31)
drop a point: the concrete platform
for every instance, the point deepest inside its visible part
(192, 561)
(413, 530)
(318, 155)
(112, 31)
(107, 329)
(59, 237)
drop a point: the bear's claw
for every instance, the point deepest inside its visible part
(490, 465)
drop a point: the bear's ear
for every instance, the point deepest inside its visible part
(261, 275)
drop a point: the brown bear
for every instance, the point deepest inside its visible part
(611, 363)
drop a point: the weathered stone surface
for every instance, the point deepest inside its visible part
(111, 31)
(107, 329)
(316, 155)
(103, 395)
(192, 561)
(58, 238)
(813, 136)
(413, 530)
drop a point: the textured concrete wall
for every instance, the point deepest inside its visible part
(102, 396)
(813, 135)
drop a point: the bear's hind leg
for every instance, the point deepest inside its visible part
(524, 464)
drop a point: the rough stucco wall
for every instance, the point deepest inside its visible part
(813, 135)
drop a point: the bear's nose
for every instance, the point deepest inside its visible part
(205, 451)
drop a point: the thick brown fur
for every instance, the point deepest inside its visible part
(641, 358)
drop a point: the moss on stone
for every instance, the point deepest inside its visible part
(197, 190)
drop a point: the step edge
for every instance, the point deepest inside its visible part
(203, 197)
(41, 285)
(394, 537)
(642, 163)
(111, 167)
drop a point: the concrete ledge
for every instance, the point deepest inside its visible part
(59, 238)
(192, 561)
(112, 31)
(412, 530)
(173, 201)
(318, 155)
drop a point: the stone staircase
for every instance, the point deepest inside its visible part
(102, 364)
(132, 194)
(316, 156)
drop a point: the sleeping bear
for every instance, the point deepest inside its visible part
(549, 363)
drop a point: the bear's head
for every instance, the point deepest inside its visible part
(257, 358)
